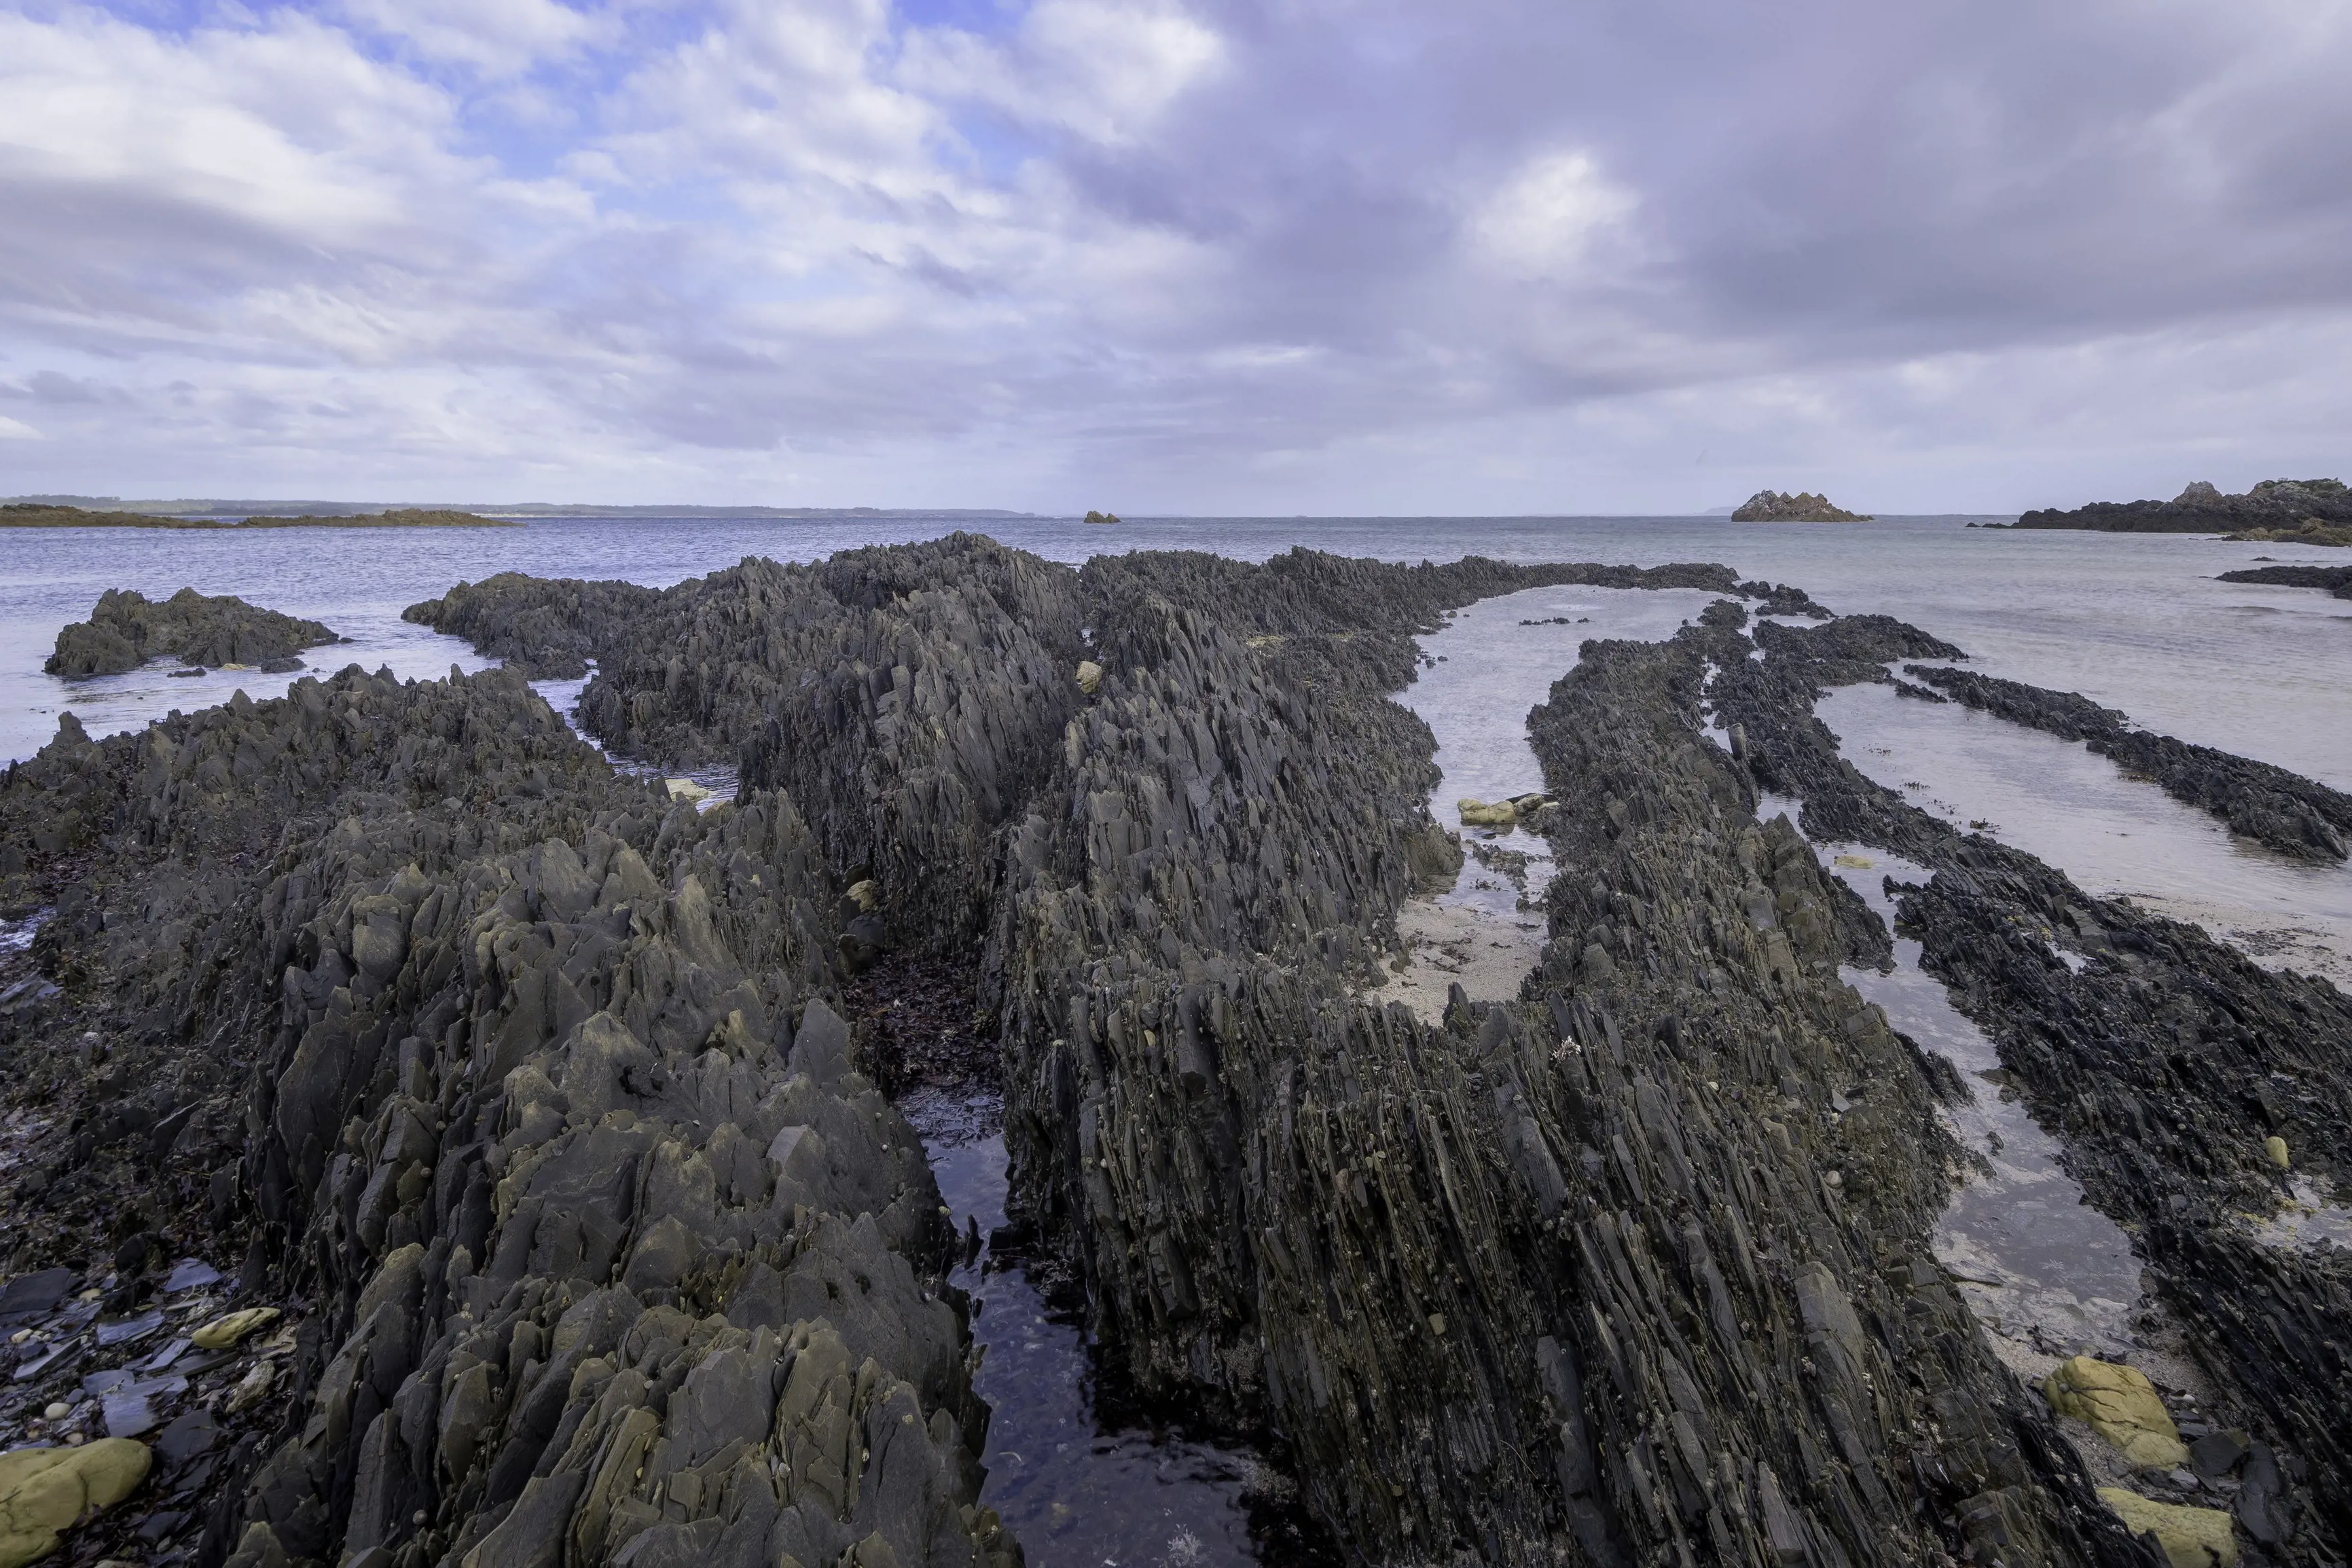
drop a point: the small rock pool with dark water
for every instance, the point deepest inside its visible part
(1083, 1479)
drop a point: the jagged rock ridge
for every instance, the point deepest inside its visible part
(126, 629)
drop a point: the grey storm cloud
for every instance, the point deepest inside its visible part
(1223, 256)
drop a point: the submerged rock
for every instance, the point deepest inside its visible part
(126, 630)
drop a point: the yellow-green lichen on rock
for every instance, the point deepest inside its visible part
(1482, 814)
(2121, 1406)
(46, 1491)
(2190, 1537)
(225, 1330)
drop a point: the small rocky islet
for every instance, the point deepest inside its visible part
(540, 1118)
(1805, 507)
(126, 629)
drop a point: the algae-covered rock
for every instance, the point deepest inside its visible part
(46, 1491)
(2190, 1537)
(2121, 1406)
(686, 789)
(231, 1327)
(1478, 813)
(1089, 676)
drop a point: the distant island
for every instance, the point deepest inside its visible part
(2292, 511)
(310, 511)
(42, 515)
(1772, 507)
(1102, 517)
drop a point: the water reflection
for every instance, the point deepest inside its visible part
(1081, 1486)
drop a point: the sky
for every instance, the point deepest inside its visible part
(1256, 256)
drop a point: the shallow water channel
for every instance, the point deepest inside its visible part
(1494, 660)
(1082, 1480)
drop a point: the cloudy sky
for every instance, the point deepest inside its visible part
(1220, 255)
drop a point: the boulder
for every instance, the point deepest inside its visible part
(2189, 1537)
(2120, 1404)
(1478, 813)
(46, 1491)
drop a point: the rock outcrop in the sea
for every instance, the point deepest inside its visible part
(517, 1085)
(2335, 579)
(126, 629)
(2165, 1061)
(2274, 503)
(2281, 811)
(538, 626)
(1104, 518)
(1805, 507)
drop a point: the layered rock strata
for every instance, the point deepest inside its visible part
(1576, 1278)
(601, 1248)
(525, 1090)
(126, 629)
(2163, 1061)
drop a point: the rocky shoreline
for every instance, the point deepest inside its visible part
(2274, 510)
(554, 1116)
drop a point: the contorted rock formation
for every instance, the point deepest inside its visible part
(523, 1089)
(604, 1251)
(2274, 503)
(1592, 1278)
(1772, 507)
(126, 630)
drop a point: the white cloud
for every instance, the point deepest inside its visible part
(1548, 219)
(496, 38)
(1105, 70)
(1329, 252)
(16, 429)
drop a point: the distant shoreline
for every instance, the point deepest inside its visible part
(37, 517)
